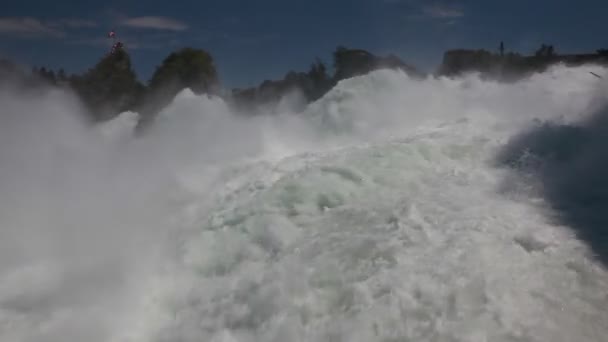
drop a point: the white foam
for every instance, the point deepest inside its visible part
(374, 215)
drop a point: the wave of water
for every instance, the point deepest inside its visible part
(378, 214)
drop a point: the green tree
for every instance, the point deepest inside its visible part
(351, 62)
(321, 82)
(110, 87)
(187, 68)
(318, 73)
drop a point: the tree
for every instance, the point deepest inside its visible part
(321, 82)
(61, 76)
(110, 87)
(351, 62)
(354, 62)
(318, 72)
(187, 68)
(545, 51)
(44, 74)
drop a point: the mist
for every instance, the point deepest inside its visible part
(186, 232)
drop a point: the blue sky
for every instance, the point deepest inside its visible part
(256, 40)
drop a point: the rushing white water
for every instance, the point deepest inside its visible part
(375, 215)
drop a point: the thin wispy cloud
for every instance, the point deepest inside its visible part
(28, 27)
(443, 12)
(157, 23)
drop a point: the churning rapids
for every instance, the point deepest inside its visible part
(391, 209)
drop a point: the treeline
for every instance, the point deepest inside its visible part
(111, 86)
(511, 66)
(317, 81)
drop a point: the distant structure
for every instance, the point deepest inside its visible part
(510, 65)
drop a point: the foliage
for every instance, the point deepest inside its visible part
(545, 51)
(316, 81)
(354, 62)
(511, 66)
(110, 87)
(187, 68)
